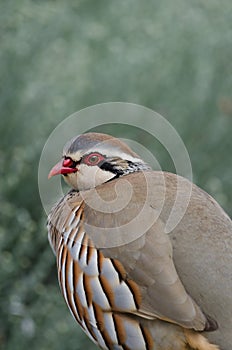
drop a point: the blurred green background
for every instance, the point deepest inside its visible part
(58, 57)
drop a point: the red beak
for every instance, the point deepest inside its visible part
(61, 168)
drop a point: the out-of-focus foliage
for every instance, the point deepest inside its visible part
(57, 57)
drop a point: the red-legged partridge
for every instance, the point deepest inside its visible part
(128, 282)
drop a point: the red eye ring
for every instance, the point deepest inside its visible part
(93, 159)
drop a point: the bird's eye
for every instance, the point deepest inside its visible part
(93, 159)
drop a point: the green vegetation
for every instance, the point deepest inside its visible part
(58, 57)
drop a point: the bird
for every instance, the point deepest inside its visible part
(128, 282)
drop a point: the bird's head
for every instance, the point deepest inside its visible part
(92, 159)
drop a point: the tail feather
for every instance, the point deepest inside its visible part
(211, 324)
(197, 341)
